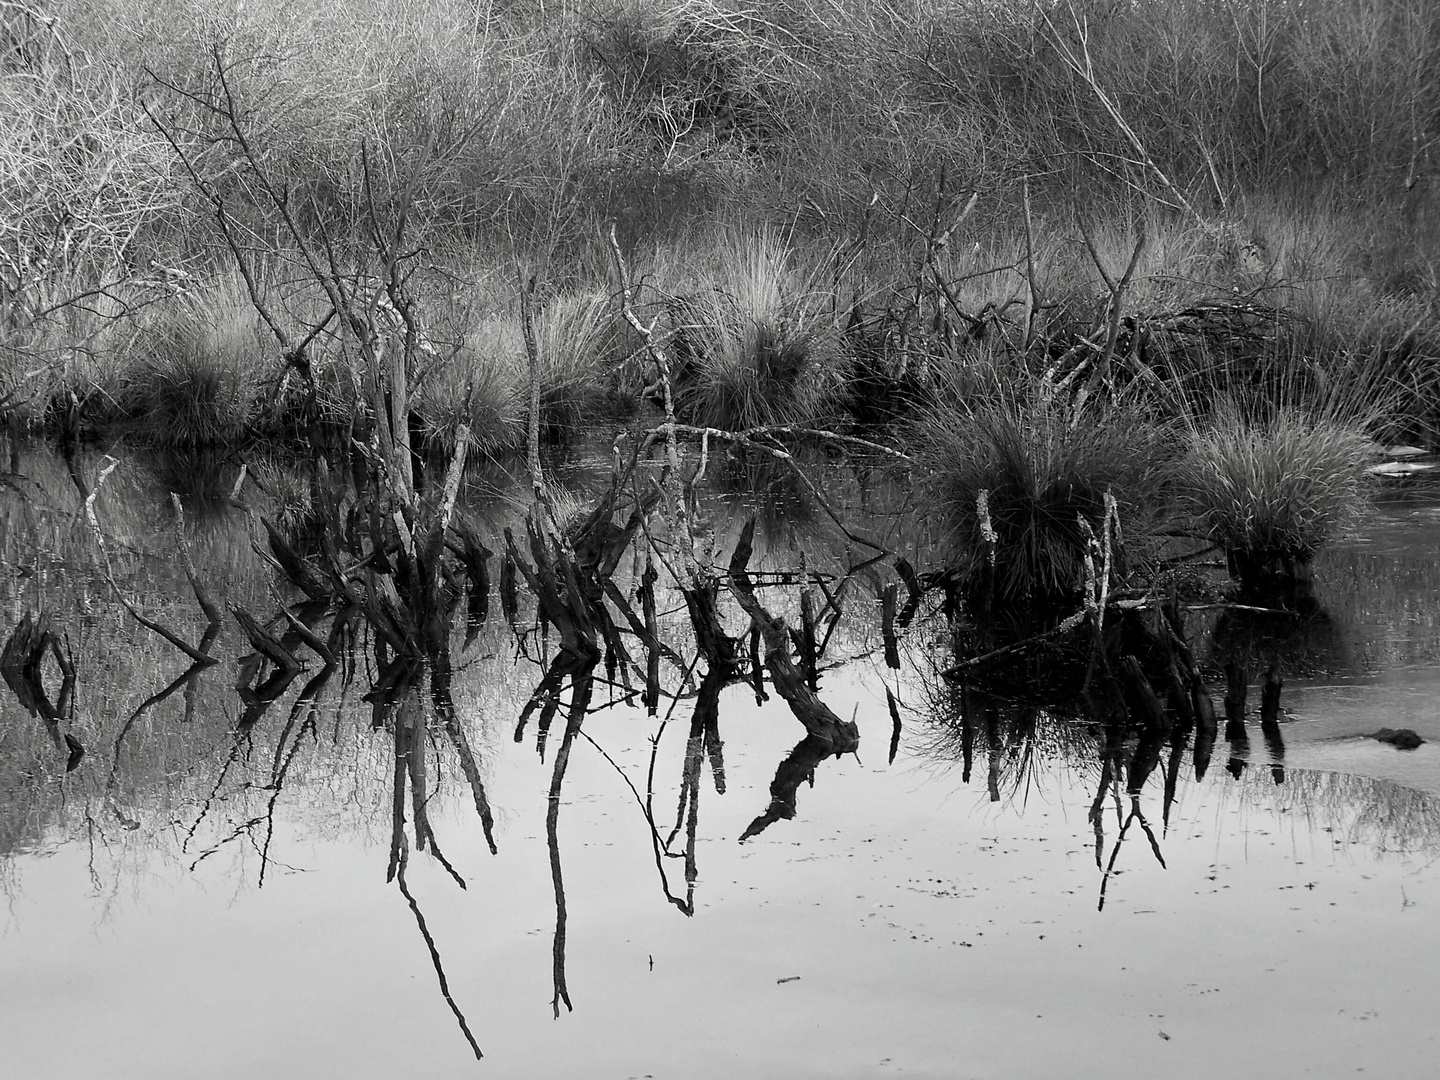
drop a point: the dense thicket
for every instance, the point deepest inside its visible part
(542, 117)
(1280, 142)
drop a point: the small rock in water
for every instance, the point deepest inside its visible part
(1401, 738)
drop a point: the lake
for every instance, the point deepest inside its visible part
(205, 894)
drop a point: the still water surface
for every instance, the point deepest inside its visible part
(903, 923)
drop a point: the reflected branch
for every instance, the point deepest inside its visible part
(1134, 815)
(797, 768)
(579, 702)
(826, 734)
(186, 680)
(197, 655)
(21, 663)
(686, 906)
(445, 708)
(435, 960)
(277, 786)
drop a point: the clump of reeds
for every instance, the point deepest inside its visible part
(198, 374)
(478, 387)
(1271, 488)
(1017, 554)
(574, 335)
(486, 382)
(755, 344)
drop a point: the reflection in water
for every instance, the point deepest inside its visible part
(21, 661)
(596, 615)
(1030, 750)
(1024, 741)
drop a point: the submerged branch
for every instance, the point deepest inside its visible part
(169, 635)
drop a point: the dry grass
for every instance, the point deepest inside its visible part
(679, 117)
(487, 380)
(756, 340)
(1281, 484)
(478, 386)
(575, 341)
(198, 371)
(1041, 473)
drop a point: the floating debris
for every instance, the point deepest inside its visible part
(1400, 468)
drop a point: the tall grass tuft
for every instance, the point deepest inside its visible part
(486, 382)
(198, 373)
(1041, 471)
(757, 343)
(574, 339)
(477, 386)
(1271, 489)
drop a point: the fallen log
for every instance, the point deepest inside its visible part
(826, 734)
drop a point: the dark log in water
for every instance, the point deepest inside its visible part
(475, 557)
(796, 769)
(806, 639)
(1273, 579)
(722, 660)
(1237, 685)
(968, 705)
(1270, 720)
(263, 642)
(826, 734)
(1237, 678)
(1144, 706)
(1201, 704)
(914, 589)
(509, 591)
(994, 749)
(21, 664)
(820, 722)
(296, 569)
(888, 601)
(1400, 738)
(757, 668)
(581, 686)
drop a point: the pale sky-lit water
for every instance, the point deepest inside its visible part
(902, 924)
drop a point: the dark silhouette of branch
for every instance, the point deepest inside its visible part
(580, 687)
(435, 960)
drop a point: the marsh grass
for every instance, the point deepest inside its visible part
(197, 374)
(1041, 470)
(1276, 450)
(579, 339)
(477, 386)
(486, 380)
(685, 118)
(1274, 484)
(757, 341)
